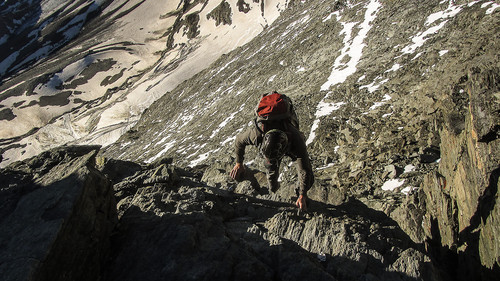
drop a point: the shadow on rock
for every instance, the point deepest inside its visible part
(56, 216)
(188, 230)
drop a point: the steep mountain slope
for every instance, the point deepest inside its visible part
(397, 100)
(337, 61)
(83, 71)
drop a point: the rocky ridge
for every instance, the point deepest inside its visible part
(394, 124)
(201, 230)
(57, 214)
(403, 137)
(167, 222)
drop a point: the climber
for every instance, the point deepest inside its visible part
(276, 133)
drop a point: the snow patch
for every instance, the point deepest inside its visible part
(336, 14)
(395, 67)
(409, 189)
(443, 52)
(441, 18)
(448, 13)
(352, 48)
(38, 54)
(69, 72)
(226, 65)
(6, 63)
(229, 140)
(167, 147)
(4, 39)
(326, 108)
(323, 109)
(379, 104)
(325, 167)
(312, 134)
(409, 168)
(374, 85)
(491, 9)
(390, 185)
(198, 160)
(125, 144)
(226, 121)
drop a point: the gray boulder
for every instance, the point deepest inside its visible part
(56, 217)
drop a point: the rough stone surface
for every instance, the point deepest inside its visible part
(412, 131)
(57, 215)
(404, 144)
(462, 198)
(180, 228)
(221, 14)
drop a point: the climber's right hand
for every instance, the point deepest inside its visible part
(237, 171)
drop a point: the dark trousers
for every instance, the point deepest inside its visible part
(272, 172)
(305, 180)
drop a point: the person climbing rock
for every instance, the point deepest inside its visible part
(276, 133)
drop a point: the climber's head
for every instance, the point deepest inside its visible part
(274, 144)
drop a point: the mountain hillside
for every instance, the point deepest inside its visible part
(83, 71)
(398, 101)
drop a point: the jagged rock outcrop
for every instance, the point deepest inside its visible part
(197, 225)
(56, 217)
(58, 223)
(189, 224)
(462, 200)
(221, 14)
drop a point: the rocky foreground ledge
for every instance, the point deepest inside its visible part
(56, 217)
(69, 214)
(60, 221)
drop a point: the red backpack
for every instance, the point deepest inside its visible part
(275, 111)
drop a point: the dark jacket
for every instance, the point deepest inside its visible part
(296, 150)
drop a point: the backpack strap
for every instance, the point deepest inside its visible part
(259, 128)
(263, 126)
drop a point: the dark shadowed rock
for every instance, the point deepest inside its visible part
(221, 14)
(56, 217)
(188, 230)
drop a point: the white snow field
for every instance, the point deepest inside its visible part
(135, 53)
